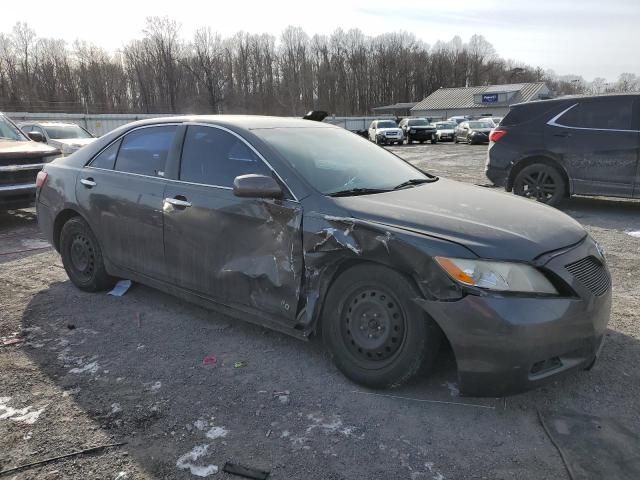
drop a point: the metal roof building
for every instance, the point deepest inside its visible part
(487, 100)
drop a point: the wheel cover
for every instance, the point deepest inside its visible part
(82, 256)
(372, 325)
(538, 184)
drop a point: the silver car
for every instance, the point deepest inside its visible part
(67, 137)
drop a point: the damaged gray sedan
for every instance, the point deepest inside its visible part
(304, 227)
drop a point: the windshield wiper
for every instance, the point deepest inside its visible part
(415, 181)
(356, 191)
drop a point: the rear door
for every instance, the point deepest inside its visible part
(601, 153)
(241, 252)
(121, 192)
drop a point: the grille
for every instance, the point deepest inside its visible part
(592, 274)
(19, 176)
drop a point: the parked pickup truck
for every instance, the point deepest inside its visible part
(20, 161)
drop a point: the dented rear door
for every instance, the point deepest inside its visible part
(237, 251)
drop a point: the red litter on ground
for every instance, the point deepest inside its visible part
(209, 360)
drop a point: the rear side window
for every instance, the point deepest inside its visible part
(107, 158)
(212, 156)
(525, 113)
(145, 151)
(604, 114)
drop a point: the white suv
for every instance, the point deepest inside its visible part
(385, 132)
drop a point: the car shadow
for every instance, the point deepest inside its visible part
(19, 235)
(146, 364)
(604, 212)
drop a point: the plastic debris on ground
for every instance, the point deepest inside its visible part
(209, 360)
(121, 288)
(240, 364)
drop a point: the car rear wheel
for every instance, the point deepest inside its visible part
(82, 257)
(375, 333)
(541, 182)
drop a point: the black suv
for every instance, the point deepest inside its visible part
(551, 149)
(418, 129)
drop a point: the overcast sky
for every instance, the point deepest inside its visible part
(585, 37)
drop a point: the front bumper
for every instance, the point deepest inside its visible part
(17, 196)
(421, 135)
(507, 344)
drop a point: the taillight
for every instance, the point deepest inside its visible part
(497, 134)
(41, 179)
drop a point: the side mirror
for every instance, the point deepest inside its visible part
(37, 137)
(256, 186)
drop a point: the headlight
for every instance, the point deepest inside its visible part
(498, 276)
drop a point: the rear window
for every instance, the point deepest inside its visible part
(525, 113)
(601, 114)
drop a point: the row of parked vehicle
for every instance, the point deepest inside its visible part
(409, 130)
(25, 148)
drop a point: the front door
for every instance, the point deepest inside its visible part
(601, 153)
(241, 252)
(122, 191)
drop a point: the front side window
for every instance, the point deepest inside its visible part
(334, 159)
(212, 156)
(144, 151)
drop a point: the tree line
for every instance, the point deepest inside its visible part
(344, 73)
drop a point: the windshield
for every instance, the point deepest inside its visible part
(445, 126)
(8, 131)
(333, 159)
(64, 132)
(389, 124)
(418, 123)
(481, 125)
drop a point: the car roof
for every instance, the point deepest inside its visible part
(248, 122)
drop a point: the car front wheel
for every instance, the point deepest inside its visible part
(540, 182)
(374, 331)
(82, 257)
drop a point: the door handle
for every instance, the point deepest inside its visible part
(88, 182)
(177, 202)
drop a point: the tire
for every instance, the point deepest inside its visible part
(409, 141)
(455, 139)
(421, 142)
(541, 182)
(82, 257)
(434, 141)
(404, 337)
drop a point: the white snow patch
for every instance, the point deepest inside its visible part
(122, 476)
(454, 391)
(155, 387)
(634, 234)
(91, 367)
(115, 408)
(21, 415)
(201, 424)
(34, 243)
(185, 462)
(329, 426)
(217, 432)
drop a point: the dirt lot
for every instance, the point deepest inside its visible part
(96, 369)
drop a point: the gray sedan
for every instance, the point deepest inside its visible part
(306, 228)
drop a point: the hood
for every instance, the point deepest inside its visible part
(421, 127)
(25, 149)
(392, 129)
(481, 130)
(492, 224)
(446, 130)
(71, 141)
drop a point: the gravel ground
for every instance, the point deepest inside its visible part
(95, 369)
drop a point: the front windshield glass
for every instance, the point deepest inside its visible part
(445, 126)
(481, 124)
(8, 131)
(333, 159)
(64, 132)
(388, 124)
(418, 123)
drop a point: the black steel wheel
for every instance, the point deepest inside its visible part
(541, 182)
(376, 334)
(82, 257)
